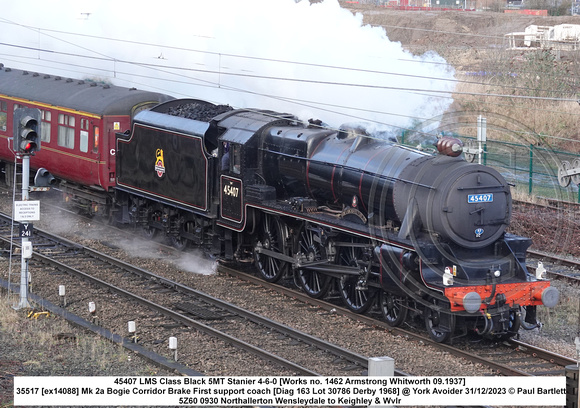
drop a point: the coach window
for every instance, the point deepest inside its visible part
(66, 130)
(84, 145)
(97, 139)
(45, 126)
(3, 115)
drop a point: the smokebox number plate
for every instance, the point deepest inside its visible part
(480, 198)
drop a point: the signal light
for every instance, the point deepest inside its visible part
(29, 135)
(43, 178)
(27, 130)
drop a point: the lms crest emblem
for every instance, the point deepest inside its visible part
(159, 163)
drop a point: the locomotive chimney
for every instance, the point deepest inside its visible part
(450, 146)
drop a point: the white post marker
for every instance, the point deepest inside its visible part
(381, 367)
(62, 294)
(481, 135)
(131, 328)
(173, 346)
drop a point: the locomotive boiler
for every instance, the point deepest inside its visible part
(370, 221)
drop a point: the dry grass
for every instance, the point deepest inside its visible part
(506, 86)
(546, 123)
(563, 321)
(35, 347)
(521, 194)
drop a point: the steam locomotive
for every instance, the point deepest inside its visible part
(371, 221)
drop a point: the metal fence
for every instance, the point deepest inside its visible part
(532, 169)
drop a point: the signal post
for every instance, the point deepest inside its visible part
(26, 143)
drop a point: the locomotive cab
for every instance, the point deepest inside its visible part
(238, 156)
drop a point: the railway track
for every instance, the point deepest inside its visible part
(557, 267)
(47, 308)
(177, 307)
(559, 215)
(510, 358)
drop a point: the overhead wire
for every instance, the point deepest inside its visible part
(265, 59)
(320, 82)
(214, 85)
(293, 100)
(317, 105)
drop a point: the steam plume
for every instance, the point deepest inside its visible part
(301, 58)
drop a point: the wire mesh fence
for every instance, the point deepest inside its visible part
(531, 169)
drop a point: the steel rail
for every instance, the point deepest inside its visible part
(496, 366)
(128, 344)
(355, 358)
(179, 317)
(541, 353)
(246, 314)
(305, 338)
(557, 259)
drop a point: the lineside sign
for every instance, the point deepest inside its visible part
(26, 210)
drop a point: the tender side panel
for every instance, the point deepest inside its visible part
(169, 165)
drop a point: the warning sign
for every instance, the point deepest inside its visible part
(26, 210)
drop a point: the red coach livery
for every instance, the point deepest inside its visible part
(79, 122)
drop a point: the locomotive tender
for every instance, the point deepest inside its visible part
(370, 221)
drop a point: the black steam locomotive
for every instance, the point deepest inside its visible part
(369, 220)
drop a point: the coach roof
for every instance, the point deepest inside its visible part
(85, 96)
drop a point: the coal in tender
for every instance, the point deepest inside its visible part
(204, 112)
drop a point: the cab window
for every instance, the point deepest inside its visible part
(236, 159)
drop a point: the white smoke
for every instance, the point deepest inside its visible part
(313, 60)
